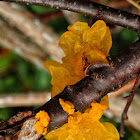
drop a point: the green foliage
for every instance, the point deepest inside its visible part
(41, 9)
(82, 18)
(31, 77)
(122, 40)
(18, 75)
(5, 113)
(5, 62)
(59, 26)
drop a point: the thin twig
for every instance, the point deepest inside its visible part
(25, 22)
(24, 99)
(92, 9)
(17, 42)
(122, 90)
(129, 100)
(116, 106)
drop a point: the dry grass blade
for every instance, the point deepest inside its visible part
(15, 41)
(134, 4)
(24, 99)
(25, 22)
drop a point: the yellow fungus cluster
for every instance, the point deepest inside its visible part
(67, 106)
(42, 122)
(86, 126)
(82, 45)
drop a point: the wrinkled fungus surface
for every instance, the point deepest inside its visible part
(67, 106)
(82, 46)
(42, 122)
(86, 126)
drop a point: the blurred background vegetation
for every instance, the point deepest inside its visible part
(20, 74)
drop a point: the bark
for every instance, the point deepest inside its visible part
(102, 79)
(126, 66)
(29, 98)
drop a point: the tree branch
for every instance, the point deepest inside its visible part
(129, 101)
(98, 11)
(126, 66)
(40, 98)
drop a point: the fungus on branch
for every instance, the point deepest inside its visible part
(125, 67)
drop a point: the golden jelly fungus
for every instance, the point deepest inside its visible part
(42, 122)
(67, 106)
(86, 126)
(82, 46)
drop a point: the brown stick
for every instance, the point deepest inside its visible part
(129, 100)
(82, 93)
(92, 9)
(116, 107)
(29, 99)
(126, 66)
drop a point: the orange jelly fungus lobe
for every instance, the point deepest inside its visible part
(86, 126)
(82, 46)
(67, 106)
(42, 122)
